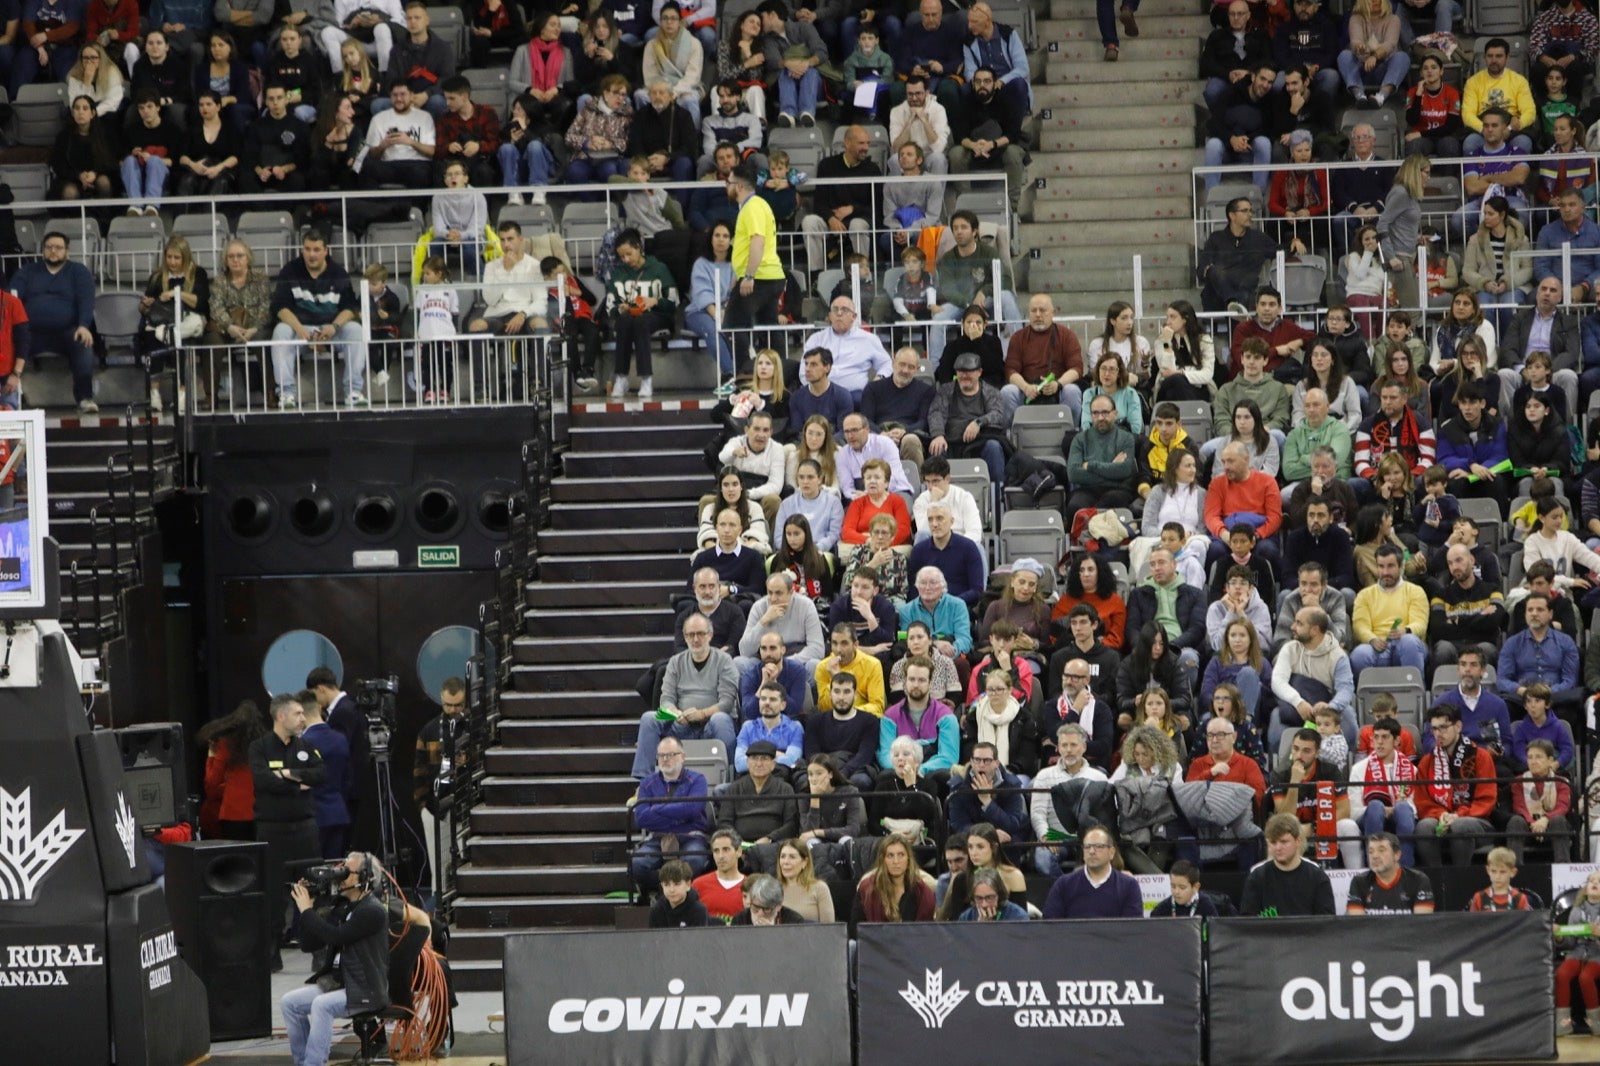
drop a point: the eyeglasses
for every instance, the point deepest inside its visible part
(1076, 677)
(841, 310)
(985, 897)
(1097, 847)
(668, 756)
(978, 760)
(1217, 736)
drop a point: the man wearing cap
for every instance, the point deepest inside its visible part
(759, 804)
(968, 418)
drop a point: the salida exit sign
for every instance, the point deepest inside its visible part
(439, 557)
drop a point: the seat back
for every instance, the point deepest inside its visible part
(491, 86)
(450, 23)
(83, 235)
(29, 184)
(40, 110)
(710, 758)
(270, 235)
(973, 475)
(1404, 683)
(583, 226)
(132, 257)
(1195, 417)
(1041, 535)
(1448, 677)
(1037, 429)
(116, 319)
(1487, 514)
(533, 218)
(392, 244)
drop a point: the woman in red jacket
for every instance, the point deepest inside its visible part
(893, 890)
(229, 809)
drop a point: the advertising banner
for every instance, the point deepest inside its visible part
(1114, 991)
(778, 996)
(1387, 989)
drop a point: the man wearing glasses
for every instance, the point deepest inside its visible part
(1455, 794)
(860, 445)
(1222, 763)
(698, 694)
(1230, 261)
(764, 904)
(858, 356)
(672, 830)
(1071, 741)
(988, 792)
(1096, 889)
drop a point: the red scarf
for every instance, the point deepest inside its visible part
(544, 63)
(1447, 787)
(1326, 828)
(1406, 439)
(1377, 776)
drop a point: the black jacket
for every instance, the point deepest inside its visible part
(279, 799)
(1218, 58)
(360, 932)
(690, 913)
(1191, 615)
(1566, 344)
(670, 131)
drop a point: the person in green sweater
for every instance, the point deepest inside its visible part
(1100, 463)
(641, 298)
(1316, 429)
(1252, 383)
(869, 63)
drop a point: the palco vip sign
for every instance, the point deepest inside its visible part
(1394, 989)
(1116, 991)
(775, 996)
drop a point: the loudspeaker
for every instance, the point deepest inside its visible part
(153, 769)
(216, 891)
(405, 494)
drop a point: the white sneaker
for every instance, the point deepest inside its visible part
(356, 400)
(88, 407)
(152, 210)
(619, 388)
(380, 379)
(155, 398)
(287, 402)
(515, 199)
(587, 384)
(646, 388)
(536, 197)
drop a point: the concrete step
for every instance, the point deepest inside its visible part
(514, 913)
(554, 592)
(626, 463)
(535, 705)
(1061, 70)
(590, 649)
(1176, 161)
(662, 566)
(1187, 27)
(1175, 115)
(592, 417)
(599, 677)
(630, 489)
(553, 544)
(1151, 11)
(1109, 278)
(1085, 259)
(1182, 52)
(1134, 189)
(687, 431)
(478, 977)
(616, 621)
(477, 880)
(578, 791)
(1048, 216)
(1135, 137)
(587, 732)
(640, 514)
(557, 761)
(1126, 235)
(507, 851)
(596, 818)
(1062, 96)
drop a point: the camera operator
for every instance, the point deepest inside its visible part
(355, 978)
(443, 738)
(285, 770)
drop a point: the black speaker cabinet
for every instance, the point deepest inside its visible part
(216, 891)
(153, 770)
(398, 494)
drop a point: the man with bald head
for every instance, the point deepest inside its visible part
(1465, 612)
(1044, 362)
(846, 208)
(1313, 428)
(997, 46)
(1242, 496)
(931, 48)
(1230, 53)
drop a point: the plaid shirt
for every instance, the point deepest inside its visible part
(483, 127)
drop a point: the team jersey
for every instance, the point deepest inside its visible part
(1409, 890)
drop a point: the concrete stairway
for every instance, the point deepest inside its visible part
(547, 846)
(1115, 155)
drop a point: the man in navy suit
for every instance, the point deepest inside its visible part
(342, 716)
(328, 803)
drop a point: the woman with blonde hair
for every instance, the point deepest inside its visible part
(1397, 226)
(176, 281)
(1147, 753)
(97, 77)
(880, 552)
(357, 79)
(803, 893)
(1374, 54)
(815, 441)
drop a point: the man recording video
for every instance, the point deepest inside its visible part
(355, 979)
(285, 770)
(436, 766)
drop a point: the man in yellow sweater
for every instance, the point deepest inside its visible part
(1497, 86)
(866, 669)
(1390, 619)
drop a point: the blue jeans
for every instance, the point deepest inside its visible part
(286, 348)
(593, 172)
(1409, 650)
(80, 357)
(1403, 823)
(1219, 153)
(705, 327)
(25, 65)
(651, 729)
(1070, 396)
(532, 159)
(994, 456)
(1288, 717)
(146, 181)
(308, 1014)
(1391, 71)
(798, 96)
(1105, 13)
(645, 867)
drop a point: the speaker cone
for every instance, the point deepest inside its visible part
(437, 511)
(375, 516)
(250, 515)
(312, 515)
